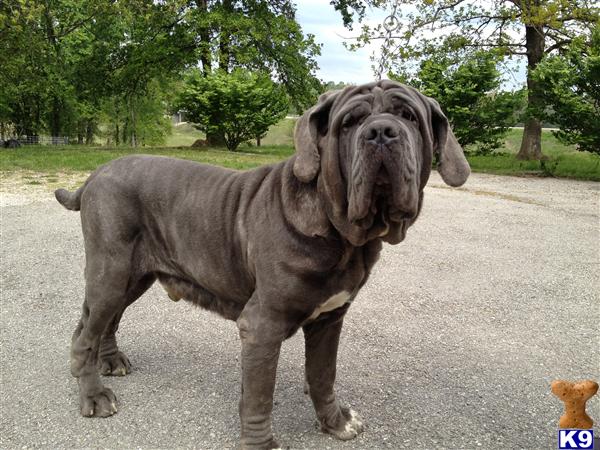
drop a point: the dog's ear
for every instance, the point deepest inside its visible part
(452, 164)
(309, 128)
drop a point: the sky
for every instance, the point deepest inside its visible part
(336, 63)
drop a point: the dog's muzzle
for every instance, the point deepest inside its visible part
(385, 175)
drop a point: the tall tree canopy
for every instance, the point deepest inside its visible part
(528, 28)
(260, 36)
(65, 64)
(571, 85)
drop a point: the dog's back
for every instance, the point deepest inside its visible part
(171, 212)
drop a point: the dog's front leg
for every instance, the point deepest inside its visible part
(261, 333)
(321, 345)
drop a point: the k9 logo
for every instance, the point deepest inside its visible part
(576, 439)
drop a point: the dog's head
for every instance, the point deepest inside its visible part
(371, 148)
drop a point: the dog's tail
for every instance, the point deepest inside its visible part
(70, 200)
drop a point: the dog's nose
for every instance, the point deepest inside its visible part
(381, 134)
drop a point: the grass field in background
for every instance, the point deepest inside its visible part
(183, 135)
(52, 163)
(563, 160)
(86, 159)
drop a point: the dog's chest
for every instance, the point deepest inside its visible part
(333, 302)
(348, 277)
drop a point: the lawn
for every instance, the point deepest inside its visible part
(86, 159)
(50, 165)
(563, 160)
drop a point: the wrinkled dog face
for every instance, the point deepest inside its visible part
(372, 147)
(381, 157)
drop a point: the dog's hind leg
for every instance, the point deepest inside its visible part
(112, 360)
(107, 273)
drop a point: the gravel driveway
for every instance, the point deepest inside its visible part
(453, 343)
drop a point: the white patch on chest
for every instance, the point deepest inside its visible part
(333, 302)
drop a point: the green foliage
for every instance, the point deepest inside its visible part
(469, 95)
(426, 28)
(334, 86)
(138, 117)
(351, 8)
(263, 36)
(571, 85)
(77, 67)
(463, 26)
(63, 60)
(235, 107)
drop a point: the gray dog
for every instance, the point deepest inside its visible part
(278, 248)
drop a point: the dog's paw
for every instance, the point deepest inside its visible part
(271, 445)
(348, 428)
(103, 404)
(116, 365)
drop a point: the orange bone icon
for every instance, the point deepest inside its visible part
(574, 395)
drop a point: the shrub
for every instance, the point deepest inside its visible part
(469, 93)
(233, 107)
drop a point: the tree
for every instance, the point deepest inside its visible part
(469, 93)
(571, 86)
(530, 28)
(235, 107)
(334, 86)
(22, 77)
(63, 62)
(262, 36)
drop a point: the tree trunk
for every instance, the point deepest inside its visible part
(55, 119)
(214, 140)
(531, 145)
(258, 141)
(132, 115)
(56, 103)
(89, 132)
(225, 41)
(204, 33)
(80, 129)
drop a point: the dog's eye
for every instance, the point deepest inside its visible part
(348, 120)
(408, 115)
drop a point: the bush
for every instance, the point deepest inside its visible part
(233, 107)
(469, 94)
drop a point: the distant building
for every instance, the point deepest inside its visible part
(178, 117)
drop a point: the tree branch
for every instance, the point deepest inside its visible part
(444, 7)
(558, 45)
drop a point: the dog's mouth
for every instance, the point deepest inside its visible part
(383, 206)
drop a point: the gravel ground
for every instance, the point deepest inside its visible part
(452, 344)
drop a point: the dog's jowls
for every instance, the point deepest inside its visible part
(276, 249)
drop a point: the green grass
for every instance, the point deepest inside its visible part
(183, 135)
(281, 133)
(277, 145)
(54, 162)
(563, 160)
(85, 159)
